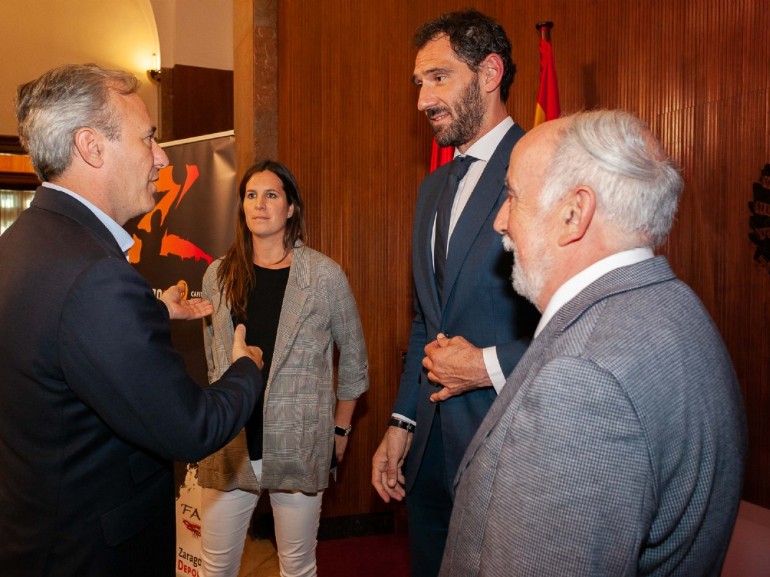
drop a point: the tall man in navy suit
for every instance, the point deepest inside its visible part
(94, 402)
(469, 328)
(617, 447)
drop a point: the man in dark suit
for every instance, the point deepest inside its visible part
(464, 71)
(94, 402)
(617, 446)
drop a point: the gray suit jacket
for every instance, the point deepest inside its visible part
(616, 448)
(318, 311)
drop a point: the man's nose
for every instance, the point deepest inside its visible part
(161, 158)
(501, 220)
(426, 98)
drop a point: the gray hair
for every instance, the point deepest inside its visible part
(637, 185)
(52, 108)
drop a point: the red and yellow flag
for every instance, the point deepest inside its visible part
(548, 96)
(440, 155)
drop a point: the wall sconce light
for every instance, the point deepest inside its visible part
(154, 75)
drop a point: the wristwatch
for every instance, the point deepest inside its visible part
(342, 431)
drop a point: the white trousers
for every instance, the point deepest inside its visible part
(225, 521)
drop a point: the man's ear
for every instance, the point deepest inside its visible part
(90, 146)
(576, 213)
(491, 72)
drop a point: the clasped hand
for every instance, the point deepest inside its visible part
(456, 365)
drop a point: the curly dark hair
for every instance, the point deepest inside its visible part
(473, 36)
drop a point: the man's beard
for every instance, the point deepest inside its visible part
(529, 283)
(467, 117)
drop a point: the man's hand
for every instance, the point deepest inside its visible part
(387, 476)
(184, 309)
(241, 349)
(456, 365)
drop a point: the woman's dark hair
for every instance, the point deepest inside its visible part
(236, 272)
(473, 36)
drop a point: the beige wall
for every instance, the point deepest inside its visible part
(134, 35)
(195, 32)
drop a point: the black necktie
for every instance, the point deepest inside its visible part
(457, 171)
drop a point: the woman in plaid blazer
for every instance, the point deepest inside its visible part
(297, 305)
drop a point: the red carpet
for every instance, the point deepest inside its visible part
(370, 556)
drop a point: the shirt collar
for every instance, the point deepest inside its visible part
(577, 283)
(124, 240)
(485, 147)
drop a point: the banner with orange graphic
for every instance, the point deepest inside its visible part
(192, 223)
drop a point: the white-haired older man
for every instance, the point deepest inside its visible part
(617, 445)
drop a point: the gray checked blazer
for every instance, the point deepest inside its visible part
(318, 311)
(616, 448)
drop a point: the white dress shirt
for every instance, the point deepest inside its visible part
(577, 283)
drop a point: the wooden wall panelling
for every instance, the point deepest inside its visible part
(166, 109)
(16, 172)
(696, 70)
(336, 132)
(202, 101)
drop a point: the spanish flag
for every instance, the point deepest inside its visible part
(440, 155)
(548, 96)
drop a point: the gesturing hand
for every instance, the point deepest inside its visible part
(241, 349)
(184, 309)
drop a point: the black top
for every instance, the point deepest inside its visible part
(263, 311)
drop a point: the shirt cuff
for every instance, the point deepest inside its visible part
(494, 370)
(403, 418)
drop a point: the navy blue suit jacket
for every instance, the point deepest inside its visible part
(94, 403)
(479, 304)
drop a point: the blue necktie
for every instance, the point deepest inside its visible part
(457, 171)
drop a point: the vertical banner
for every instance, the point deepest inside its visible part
(192, 223)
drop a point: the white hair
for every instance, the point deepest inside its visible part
(637, 185)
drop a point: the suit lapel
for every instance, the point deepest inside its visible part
(645, 273)
(520, 375)
(483, 201)
(291, 309)
(423, 246)
(222, 319)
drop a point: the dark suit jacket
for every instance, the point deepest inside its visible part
(94, 403)
(480, 305)
(615, 449)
